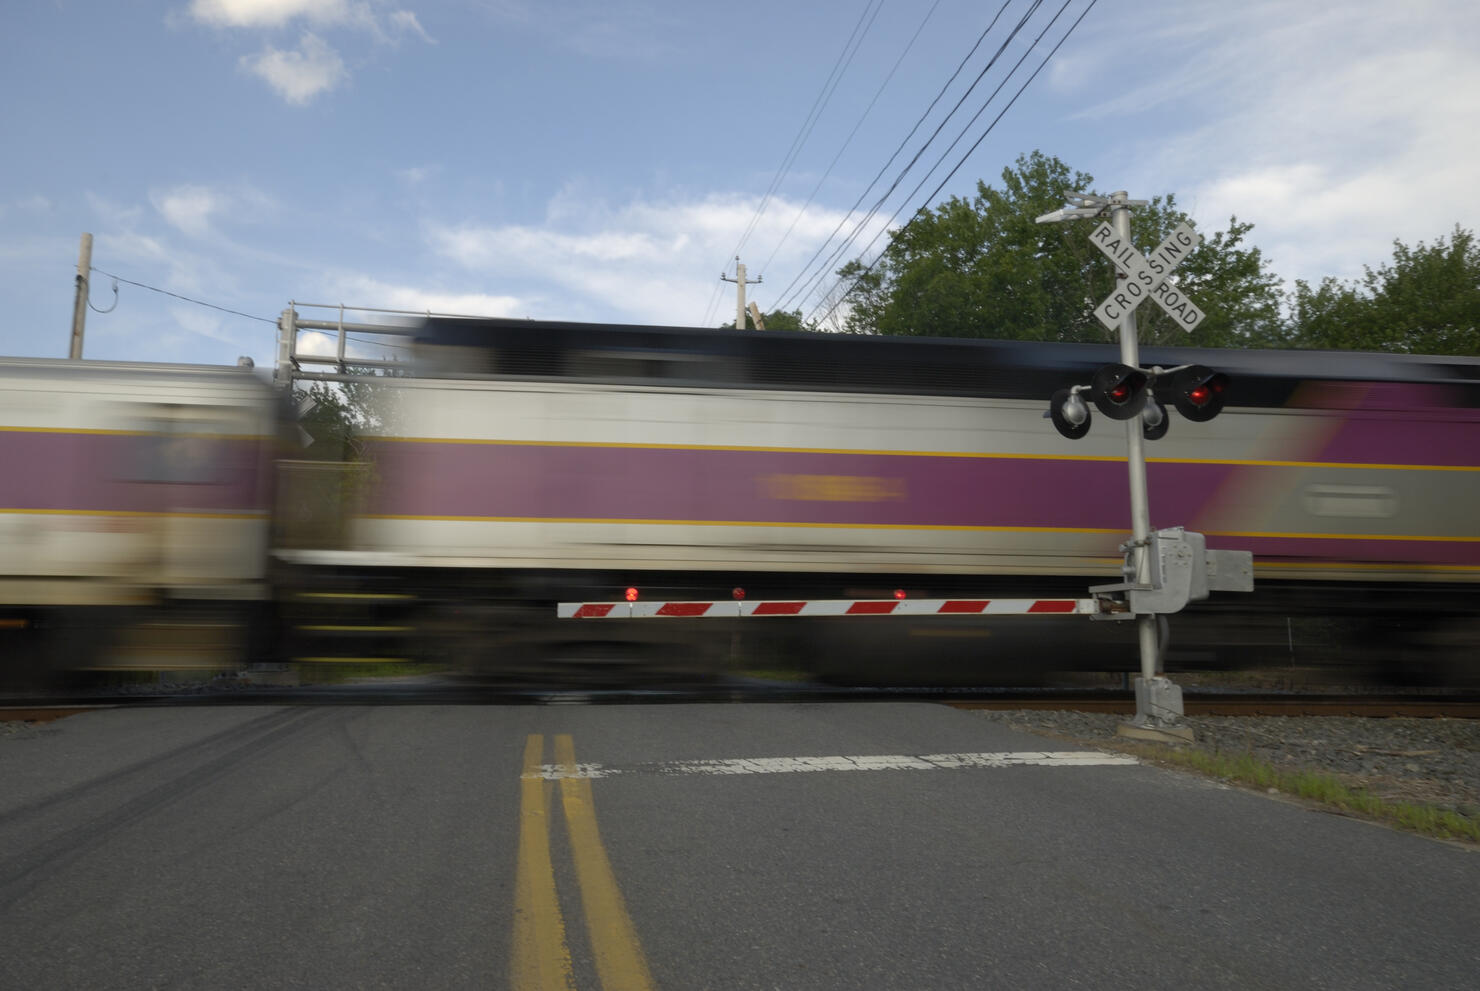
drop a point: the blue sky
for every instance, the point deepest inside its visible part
(601, 161)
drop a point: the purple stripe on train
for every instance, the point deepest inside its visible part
(425, 479)
(138, 473)
(1395, 423)
(648, 484)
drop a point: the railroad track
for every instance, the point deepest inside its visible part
(1456, 707)
(1283, 704)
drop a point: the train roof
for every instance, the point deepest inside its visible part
(676, 356)
(94, 367)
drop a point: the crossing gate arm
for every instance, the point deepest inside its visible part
(722, 609)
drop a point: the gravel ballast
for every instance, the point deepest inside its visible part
(1429, 761)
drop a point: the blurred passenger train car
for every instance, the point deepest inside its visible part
(522, 464)
(528, 463)
(134, 514)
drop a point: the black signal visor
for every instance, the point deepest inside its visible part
(1119, 391)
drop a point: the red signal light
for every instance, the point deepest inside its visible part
(632, 595)
(899, 593)
(1119, 391)
(737, 593)
(1196, 390)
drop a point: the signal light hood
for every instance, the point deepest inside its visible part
(1119, 391)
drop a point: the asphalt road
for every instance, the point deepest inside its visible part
(700, 846)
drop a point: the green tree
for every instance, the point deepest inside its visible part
(984, 268)
(1425, 301)
(341, 412)
(777, 320)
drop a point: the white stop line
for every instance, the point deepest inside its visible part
(869, 762)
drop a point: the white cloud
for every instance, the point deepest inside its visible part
(298, 76)
(193, 209)
(206, 323)
(418, 174)
(595, 28)
(367, 15)
(364, 290)
(267, 13)
(188, 208)
(405, 22)
(111, 212)
(657, 262)
(1333, 127)
(326, 345)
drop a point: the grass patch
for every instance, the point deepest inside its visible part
(1315, 786)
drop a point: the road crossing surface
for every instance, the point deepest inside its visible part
(785, 845)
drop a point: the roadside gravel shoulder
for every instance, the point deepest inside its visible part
(1426, 761)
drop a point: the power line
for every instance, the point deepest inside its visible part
(910, 197)
(845, 57)
(239, 313)
(380, 344)
(815, 282)
(166, 292)
(980, 38)
(849, 139)
(984, 133)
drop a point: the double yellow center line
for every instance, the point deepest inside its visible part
(541, 959)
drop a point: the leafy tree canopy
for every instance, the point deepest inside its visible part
(1426, 301)
(340, 413)
(777, 320)
(984, 268)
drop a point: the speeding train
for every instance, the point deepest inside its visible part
(160, 516)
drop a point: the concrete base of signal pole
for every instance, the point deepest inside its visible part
(1158, 713)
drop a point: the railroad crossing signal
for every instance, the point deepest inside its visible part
(1119, 391)
(1165, 569)
(1122, 392)
(1147, 277)
(1195, 390)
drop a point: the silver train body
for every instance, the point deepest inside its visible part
(525, 464)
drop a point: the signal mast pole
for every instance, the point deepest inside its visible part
(1146, 624)
(1158, 701)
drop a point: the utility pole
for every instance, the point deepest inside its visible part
(79, 303)
(740, 283)
(756, 318)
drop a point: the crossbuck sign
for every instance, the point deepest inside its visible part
(1147, 276)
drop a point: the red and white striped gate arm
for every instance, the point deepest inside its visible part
(722, 609)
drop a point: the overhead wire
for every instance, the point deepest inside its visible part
(874, 209)
(845, 58)
(1065, 37)
(849, 139)
(166, 292)
(815, 282)
(940, 159)
(224, 309)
